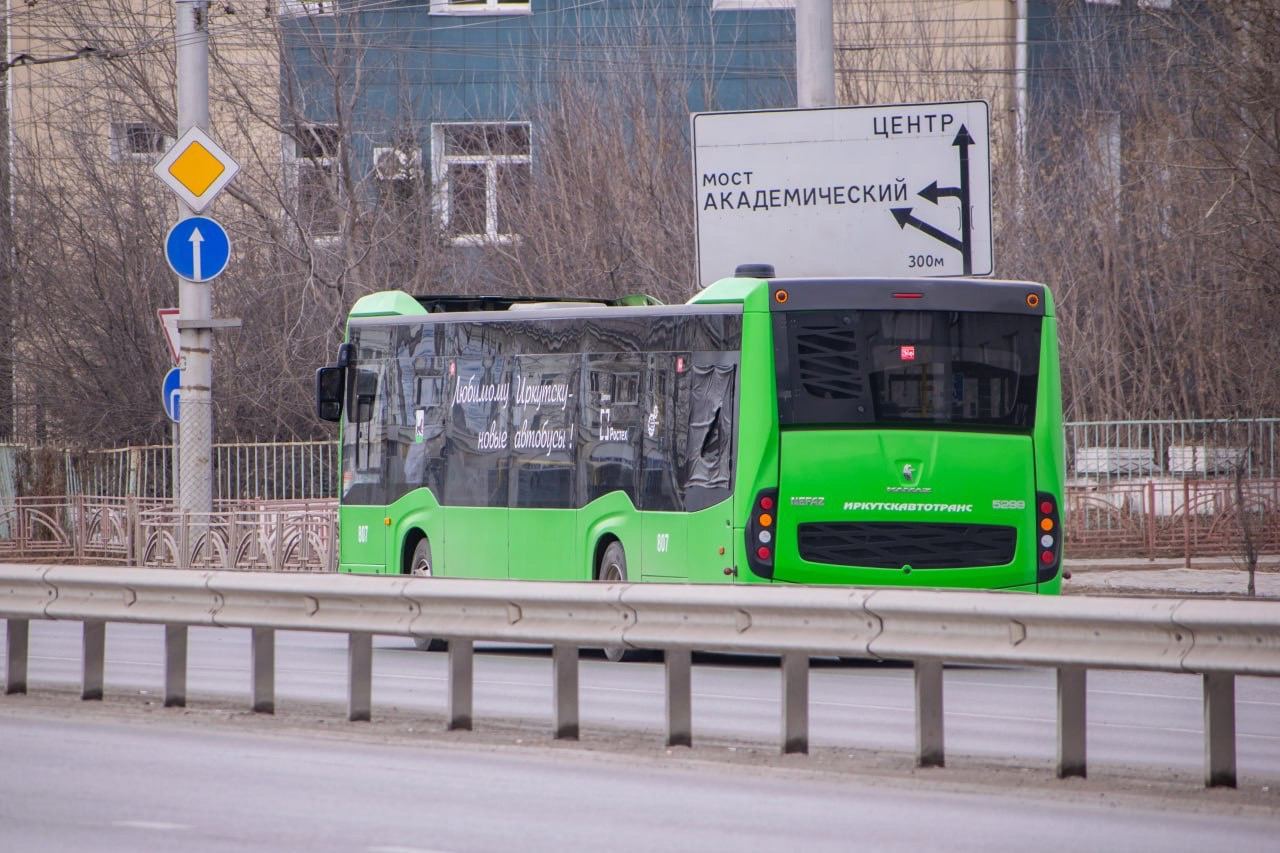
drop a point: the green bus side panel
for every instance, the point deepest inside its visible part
(416, 512)
(1049, 437)
(757, 463)
(543, 544)
(664, 547)
(612, 515)
(476, 542)
(710, 544)
(362, 539)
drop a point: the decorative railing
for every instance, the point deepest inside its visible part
(261, 535)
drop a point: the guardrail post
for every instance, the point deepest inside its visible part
(264, 670)
(929, 728)
(564, 672)
(795, 703)
(461, 679)
(359, 676)
(1072, 716)
(93, 645)
(1219, 729)
(679, 668)
(175, 666)
(18, 639)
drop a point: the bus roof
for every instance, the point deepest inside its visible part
(397, 303)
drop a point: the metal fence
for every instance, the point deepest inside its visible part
(238, 535)
(1118, 451)
(270, 471)
(1216, 640)
(1144, 489)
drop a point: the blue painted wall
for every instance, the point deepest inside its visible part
(411, 68)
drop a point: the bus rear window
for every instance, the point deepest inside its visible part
(907, 368)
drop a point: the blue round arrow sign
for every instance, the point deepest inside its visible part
(197, 248)
(169, 395)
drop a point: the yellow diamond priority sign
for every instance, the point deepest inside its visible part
(196, 169)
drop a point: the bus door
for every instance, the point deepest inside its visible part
(543, 521)
(362, 539)
(477, 462)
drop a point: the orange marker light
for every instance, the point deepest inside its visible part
(765, 520)
(1033, 300)
(781, 296)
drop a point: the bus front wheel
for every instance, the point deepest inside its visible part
(420, 567)
(613, 569)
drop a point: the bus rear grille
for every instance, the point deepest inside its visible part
(892, 545)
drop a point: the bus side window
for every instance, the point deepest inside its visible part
(708, 471)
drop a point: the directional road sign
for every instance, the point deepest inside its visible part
(169, 396)
(845, 191)
(196, 169)
(169, 324)
(197, 248)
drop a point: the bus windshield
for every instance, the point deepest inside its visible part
(967, 369)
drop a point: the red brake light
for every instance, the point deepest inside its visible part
(908, 296)
(1046, 508)
(766, 502)
(762, 552)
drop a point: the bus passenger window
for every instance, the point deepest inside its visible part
(709, 467)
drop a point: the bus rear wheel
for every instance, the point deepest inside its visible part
(420, 567)
(613, 569)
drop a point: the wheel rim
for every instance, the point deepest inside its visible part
(421, 568)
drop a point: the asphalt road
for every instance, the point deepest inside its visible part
(1135, 719)
(81, 785)
(128, 776)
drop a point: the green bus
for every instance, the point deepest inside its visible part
(888, 432)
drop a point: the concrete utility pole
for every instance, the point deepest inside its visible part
(195, 302)
(8, 296)
(815, 54)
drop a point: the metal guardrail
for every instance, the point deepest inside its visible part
(1215, 639)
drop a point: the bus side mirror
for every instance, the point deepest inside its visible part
(329, 384)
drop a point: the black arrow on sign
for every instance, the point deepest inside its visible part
(933, 192)
(904, 217)
(963, 140)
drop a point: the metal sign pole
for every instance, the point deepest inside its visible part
(195, 450)
(815, 54)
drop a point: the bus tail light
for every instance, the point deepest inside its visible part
(762, 526)
(1048, 534)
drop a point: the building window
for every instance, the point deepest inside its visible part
(482, 170)
(729, 5)
(136, 140)
(480, 7)
(398, 172)
(301, 8)
(314, 170)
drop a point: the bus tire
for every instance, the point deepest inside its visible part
(613, 569)
(420, 567)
